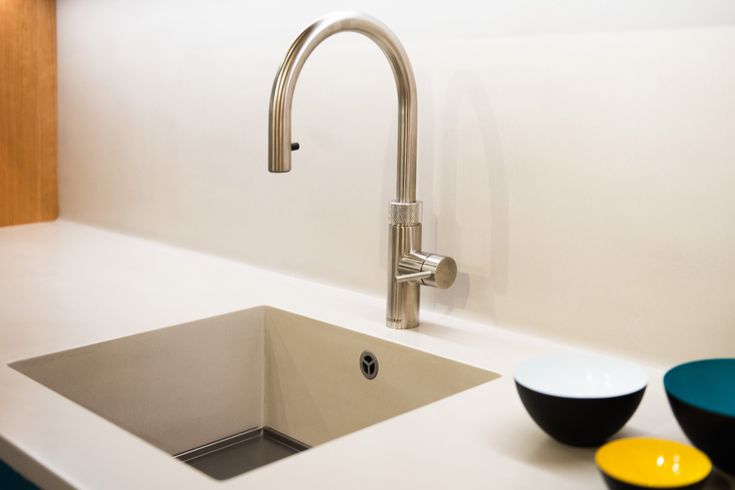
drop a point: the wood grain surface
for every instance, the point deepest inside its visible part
(28, 141)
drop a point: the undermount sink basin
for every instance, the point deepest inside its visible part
(230, 393)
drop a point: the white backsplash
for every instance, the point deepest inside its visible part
(577, 159)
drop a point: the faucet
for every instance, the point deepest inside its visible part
(408, 266)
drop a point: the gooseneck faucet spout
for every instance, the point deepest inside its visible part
(279, 158)
(408, 267)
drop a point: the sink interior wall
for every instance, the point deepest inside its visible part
(188, 385)
(177, 387)
(316, 392)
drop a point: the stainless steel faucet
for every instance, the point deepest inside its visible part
(408, 266)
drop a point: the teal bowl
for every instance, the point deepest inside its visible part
(702, 397)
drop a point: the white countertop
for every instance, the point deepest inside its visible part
(64, 285)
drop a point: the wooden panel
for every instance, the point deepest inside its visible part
(28, 186)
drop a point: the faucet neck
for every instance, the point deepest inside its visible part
(279, 137)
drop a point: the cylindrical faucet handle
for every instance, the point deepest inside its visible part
(444, 271)
(432, 270)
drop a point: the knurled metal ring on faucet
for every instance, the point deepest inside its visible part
(405, 213)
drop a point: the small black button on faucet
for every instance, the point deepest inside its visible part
(295, 146)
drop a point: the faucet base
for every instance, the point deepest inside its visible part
(402, 310)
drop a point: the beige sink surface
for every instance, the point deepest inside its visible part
(184, 386)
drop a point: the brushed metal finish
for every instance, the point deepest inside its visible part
(279, 135)
(443, 269)
(414, 276)
(405, 212)
(403, 301)
(432, 269)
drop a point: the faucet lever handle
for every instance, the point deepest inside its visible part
(295, 146)
(414, 276)
(428, 269)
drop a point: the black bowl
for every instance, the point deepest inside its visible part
(702, 397)
(580, 400)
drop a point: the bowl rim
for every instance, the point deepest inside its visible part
(707, 407)
(628, 440)
(637, 377)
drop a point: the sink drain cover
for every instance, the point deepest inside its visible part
(369, 364)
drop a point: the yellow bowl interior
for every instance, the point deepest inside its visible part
(653, 463)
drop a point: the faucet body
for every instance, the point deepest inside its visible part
(408, 266)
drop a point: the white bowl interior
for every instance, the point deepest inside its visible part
(581, 376)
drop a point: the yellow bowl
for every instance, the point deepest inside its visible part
(646, 462)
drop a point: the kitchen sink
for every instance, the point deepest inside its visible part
(234, 392)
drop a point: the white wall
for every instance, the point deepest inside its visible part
(577, 158)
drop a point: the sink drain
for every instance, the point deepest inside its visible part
(368, 364)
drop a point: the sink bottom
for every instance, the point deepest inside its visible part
(241, 452)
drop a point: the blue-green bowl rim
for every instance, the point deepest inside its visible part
(704, 407)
